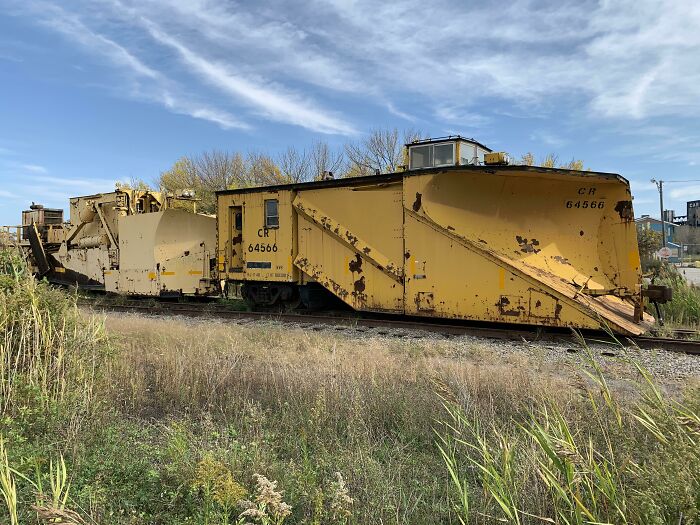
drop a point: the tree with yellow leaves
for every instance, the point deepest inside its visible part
(551, 160)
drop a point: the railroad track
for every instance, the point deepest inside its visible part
(684, 341)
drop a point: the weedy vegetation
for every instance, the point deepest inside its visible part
(596, 459)
(136, 420)
(684, 310)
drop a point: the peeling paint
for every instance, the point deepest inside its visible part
(351, 238)
(504, 306)
(356, 265)
(557, 310)
(527, 246)
(417, 202)
(359, 285)
(624, 210)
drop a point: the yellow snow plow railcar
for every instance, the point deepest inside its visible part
(457, 234)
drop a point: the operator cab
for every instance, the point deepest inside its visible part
(450, 151)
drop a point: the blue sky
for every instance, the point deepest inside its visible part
(106, 90)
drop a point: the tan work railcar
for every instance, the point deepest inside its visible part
(512, 244)
(129, 242)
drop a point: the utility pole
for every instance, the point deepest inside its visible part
(660, 187)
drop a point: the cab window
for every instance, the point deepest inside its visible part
(443, 154)
(421, 157)
(272, 218)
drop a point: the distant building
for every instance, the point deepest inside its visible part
(645, 222)
(669, 216)
(693, 213)
(680, 220)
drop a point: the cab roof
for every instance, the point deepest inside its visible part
(449, 138)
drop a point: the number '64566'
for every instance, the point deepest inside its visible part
(262, 247)
(585, 204)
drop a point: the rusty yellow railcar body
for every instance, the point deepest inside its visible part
(509, 244)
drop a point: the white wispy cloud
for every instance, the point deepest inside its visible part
(462, 116)
(259, 33)
(71, 186)
(625, 59)
(34, 168)
(302, 63)
(547, 138)
(158, 88)
(401, 114)
(684, 191)
(271, 101)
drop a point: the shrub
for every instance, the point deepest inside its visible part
(684, 309)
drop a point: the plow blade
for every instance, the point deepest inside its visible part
(524, 245)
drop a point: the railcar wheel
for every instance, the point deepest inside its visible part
(293, 304)
(270, 296)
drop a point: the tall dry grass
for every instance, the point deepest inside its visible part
(170, 366)
(304, 405)
(49, 357)
(597, 459)
(45, 344)
(516, 441)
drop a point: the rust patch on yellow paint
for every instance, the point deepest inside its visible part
(417, 202)
(506, 307)
(359, 285)
(528, 246)
(624, 209)
(356, 265)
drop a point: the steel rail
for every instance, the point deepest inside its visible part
(524, 333)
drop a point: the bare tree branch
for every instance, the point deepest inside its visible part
(380, 151)
(323, 159)
(295, 165)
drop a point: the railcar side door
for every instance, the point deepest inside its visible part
(236, 254)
